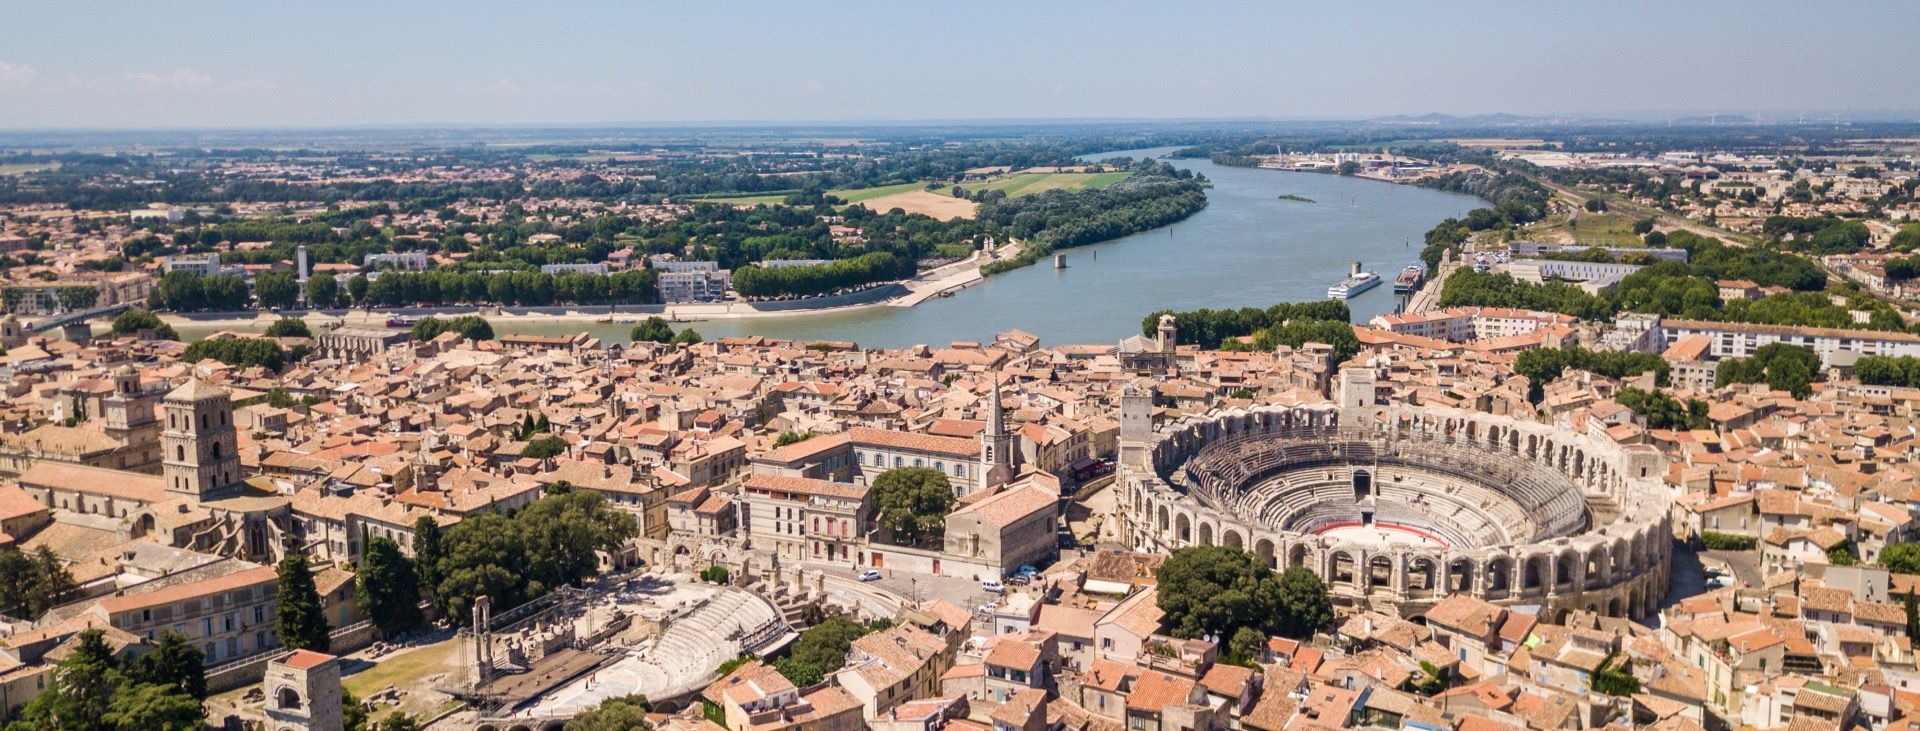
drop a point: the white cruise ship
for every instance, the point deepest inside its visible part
(1355, 283)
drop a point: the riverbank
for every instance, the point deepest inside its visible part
(907, 293)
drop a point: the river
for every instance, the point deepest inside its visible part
(1246, 248)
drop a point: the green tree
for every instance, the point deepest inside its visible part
(545, 448)
(1902, 558)
(133, 321)
(471, 327)
(1304, 605)
(81, 694)
(913, 503)
(154, 707)
(820, 650)
(792, 437)
(357, 287)
(688, 336)
(1247, 645)
(1781, 366)
(1214, 590)
(276, 289)
(289, 327)
(353, 715)
(238, 352)
(652, 330)
(387, 588)
(322, 290)
(300, 621)
(627, 713)
(543, 546)
(32, 583)
(175, 663)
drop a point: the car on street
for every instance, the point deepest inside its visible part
(991, 586)
(870, 575)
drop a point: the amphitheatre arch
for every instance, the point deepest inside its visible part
(1402, 506)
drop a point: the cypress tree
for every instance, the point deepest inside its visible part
(302, 624)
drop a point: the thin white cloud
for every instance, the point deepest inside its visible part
(813, 86)
(16, 76)
(176, 80)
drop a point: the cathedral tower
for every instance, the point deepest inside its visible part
(198, 444)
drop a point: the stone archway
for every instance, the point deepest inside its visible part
(1379, 575)
(1182, 529)
(1499, 577)
(1460, 576)
(1206, 533)
(1231, 539)
(1263, 549)
(1297, 556)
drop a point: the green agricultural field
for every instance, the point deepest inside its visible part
(1015, 186)
(1031, 183)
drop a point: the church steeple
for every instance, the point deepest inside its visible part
(996, 445)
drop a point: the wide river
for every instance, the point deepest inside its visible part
(1246, 248)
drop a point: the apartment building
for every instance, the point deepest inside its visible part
(228, 617)
(805, 519)
(691, 281)
(1739, 340)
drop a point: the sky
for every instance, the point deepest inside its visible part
(212, 63)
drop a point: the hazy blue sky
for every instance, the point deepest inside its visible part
(75, 63)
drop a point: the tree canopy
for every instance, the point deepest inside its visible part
(471, 327)
(1217, 591)
(913, 503)
(301, 622)
(512, 559)
(288, 327)
(652, 330)
(91, 690)
(387, 589)
(133, 321)
(1782, 367)
(237, 352)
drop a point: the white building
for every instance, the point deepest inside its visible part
(1739, 340)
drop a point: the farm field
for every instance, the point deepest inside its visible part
(1598, 229)
(30, 167)
(909, 196)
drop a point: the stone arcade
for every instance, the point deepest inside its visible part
(1397, 507)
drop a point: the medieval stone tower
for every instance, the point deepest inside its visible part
(303, 693)
(198, 442)
(1356, 394)
(130, 421)
(1136, 424)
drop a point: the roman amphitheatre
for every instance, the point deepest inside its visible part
(1398, 507)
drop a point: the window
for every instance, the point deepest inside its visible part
(898, 462)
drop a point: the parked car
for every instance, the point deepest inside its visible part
(870, 575)
(1018, 579)
(1028, 571)
(991, 586)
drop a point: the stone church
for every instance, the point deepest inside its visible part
(200, 501)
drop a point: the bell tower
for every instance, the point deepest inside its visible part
(996, 445)
(198, 443)
(129, 416)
